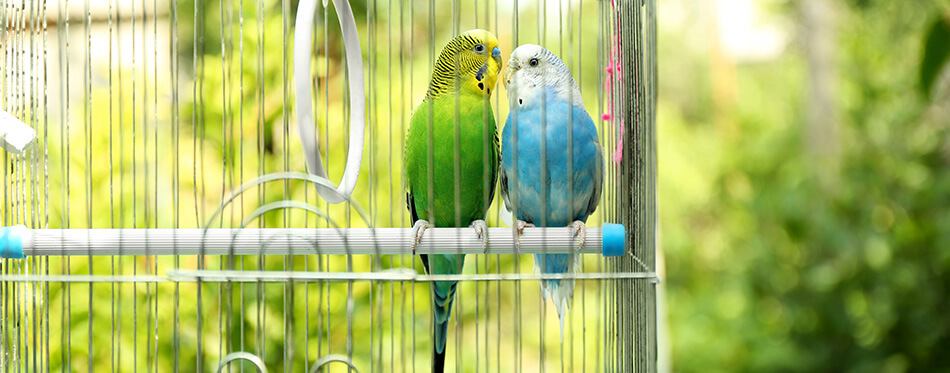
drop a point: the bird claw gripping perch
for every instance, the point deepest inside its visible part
(519, 227)
(418, 229)
(481, 231)
(580, 233)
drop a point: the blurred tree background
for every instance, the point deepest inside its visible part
(804, 184)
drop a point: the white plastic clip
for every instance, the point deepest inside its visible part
(15, 136)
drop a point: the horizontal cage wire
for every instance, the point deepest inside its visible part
(240, 185)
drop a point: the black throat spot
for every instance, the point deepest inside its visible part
(481, 85)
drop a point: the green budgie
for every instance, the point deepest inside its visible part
(457, 100)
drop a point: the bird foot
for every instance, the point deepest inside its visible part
(580, 233)
(519, 227)
(418, 229)
(481, 231)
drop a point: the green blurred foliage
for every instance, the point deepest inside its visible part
(782, 260)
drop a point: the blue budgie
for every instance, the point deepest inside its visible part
(542, 93)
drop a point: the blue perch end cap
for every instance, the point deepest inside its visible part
(11, 242)
(614, 236)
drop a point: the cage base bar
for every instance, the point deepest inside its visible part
(302, 241)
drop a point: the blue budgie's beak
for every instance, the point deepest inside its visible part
(513, 65)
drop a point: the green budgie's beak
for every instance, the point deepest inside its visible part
(496, 55)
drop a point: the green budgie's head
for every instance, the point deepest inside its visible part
(469, 62)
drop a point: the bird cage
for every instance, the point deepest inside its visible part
(220, 185)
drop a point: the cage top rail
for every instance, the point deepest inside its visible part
(19, 241)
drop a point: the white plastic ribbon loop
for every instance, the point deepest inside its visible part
(303, 99)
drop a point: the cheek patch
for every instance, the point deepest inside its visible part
(480, 74)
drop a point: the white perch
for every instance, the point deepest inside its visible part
(20, 241)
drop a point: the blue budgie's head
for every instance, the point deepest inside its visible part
(535, 74)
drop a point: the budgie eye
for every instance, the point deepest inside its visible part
(534, 62)
(479, 48)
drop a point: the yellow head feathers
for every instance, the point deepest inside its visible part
(468, 64)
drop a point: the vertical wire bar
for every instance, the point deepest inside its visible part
(486, 185)
(457, 190)
(112, 309)
(87, 155)
(373, 120)
(325, 264)
(402, 155)
(607, 21)
(221, 288)
(259, 301)
(4, 335)
(233, 145)
(326, 135)
(373, 300)
(603, 195)
(117, 260)
(154, 259)
(513, 197)
(176, 177)
(34, 62)
(570, 173)
(497, 256)
(430, 162)
(389, 146)
(29, 183)
(370, 116)
(135, 318)
(314, 88)
(18, 186)
(306, 260)
(638, 351)
(46, 179)
(542, 259)
(241, 161)
(64, 144)
(393, 203)
(288, 259)
(148, 209)
(198, 128)
(9, 167)
(412, 286)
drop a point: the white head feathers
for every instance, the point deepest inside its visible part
(532, 70)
